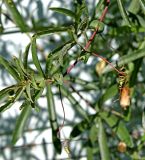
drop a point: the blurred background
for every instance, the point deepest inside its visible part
(116, 41)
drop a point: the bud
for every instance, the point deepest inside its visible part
(122, 147)
(100, 67)
(125, 97)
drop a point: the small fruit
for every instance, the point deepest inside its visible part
(122, 147)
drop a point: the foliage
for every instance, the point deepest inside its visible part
(117, 29)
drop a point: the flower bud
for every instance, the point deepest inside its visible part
(125, 97)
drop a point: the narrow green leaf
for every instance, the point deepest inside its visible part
(64, 51)
(9, 68)
(100, 4)
(127, 59)
(98, 9)
(38, 89)
(134, 6)
(52, 30)
(118, 127)
(28, 91)
(141, 20)
(54, 70)
(142, 3)
(1, 23)
(37, 94)
(93, 133)
(126, 29)
(83, 25)
(1, 28)
(57, 56)
(82, 126)
(53, 119)
(81, 8)
(7, 91)
(143, 119)
(133, 77)
(123, 13)
(45, 150)
(16, 16)
(58, 77)
(89, 153)
(61, 51)
(25, 56)
(34, 83)
(19, 67)
(86, 84)
(54, 54)
(11, 100)
(42, 83)
(110, 93)
(132, 57)
(64, 11)
(35, 57)
(18, 94)
(102, 139)
(127, 114)
(21, 122)
(6, 106)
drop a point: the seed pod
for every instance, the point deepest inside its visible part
(122, 147)
(125, 97)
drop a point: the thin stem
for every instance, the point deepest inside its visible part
(104, 59)
(91, 38)
(71, 67)
(37, 144)
(87, 102)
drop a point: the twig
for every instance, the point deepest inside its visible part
(91, 38)
(35, 144)
(87, 102)
(104, 59)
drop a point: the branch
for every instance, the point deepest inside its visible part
(91, 38)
